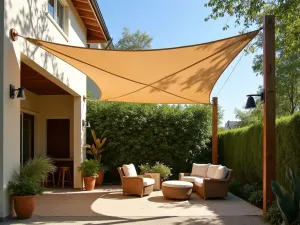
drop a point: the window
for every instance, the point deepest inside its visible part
(58, 138)
(51, 7)
(57, 11)
(60, 14)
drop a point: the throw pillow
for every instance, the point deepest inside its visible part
(129, 170)
(199, 170)
(211, 171)
(221, 172)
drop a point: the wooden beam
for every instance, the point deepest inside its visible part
(89, 21)
(89, 17)
(82, 6)
(86, 14)
(89, 1)
(83, 1)
(95, 31)
(95, 39)
(92, 27)
(215, 131)
(269, 151)
(95, 34)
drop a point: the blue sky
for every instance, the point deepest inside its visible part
(174, 23)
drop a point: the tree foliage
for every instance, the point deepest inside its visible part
(250, 13)
(134, 41)
(248, 117)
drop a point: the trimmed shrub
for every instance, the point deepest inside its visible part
(242, 150)
(235, 187)
(176, 135)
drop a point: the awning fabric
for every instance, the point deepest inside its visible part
(184, 75)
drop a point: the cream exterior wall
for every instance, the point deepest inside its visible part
(1, 109)
(44, 107)
(29, 18)
(92, 87)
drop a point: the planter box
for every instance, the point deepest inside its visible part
(156, 177)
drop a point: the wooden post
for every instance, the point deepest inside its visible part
(269, 151)
(215, 131)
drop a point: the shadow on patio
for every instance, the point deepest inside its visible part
(108, 206)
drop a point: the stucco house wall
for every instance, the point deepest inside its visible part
(29, 18)
(45, 107)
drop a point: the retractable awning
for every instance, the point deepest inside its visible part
(184, 75)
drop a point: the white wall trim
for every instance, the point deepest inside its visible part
(57, 26)
(29, 112)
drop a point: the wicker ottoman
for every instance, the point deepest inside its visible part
(175, 189)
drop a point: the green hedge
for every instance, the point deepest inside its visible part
(144, 133)
(242, 150)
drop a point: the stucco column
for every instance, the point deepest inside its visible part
(9, 111)
(79, 138)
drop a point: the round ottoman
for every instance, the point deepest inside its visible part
(176, 189)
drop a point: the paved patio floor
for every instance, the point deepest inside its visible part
(108, 206)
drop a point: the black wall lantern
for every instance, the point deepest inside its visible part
(86, 124)
(251, 102)
(20, 92)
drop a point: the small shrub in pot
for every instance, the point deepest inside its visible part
(162, 169)
(89, 170)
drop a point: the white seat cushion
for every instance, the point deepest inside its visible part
(211, 171)
(177, 184)
(221, 172)
(148, 181)
(129, 170)
(199, 181)
(190, 178)
(199, 170)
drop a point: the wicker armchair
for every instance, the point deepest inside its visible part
(135, 185)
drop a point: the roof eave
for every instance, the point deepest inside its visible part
(101, 19)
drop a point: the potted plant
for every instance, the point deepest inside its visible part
(159, 171)
(163, 170)
(96, 151)
(26, 184)
(89, 170)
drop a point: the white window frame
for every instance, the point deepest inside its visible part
(64, 14)
(63, 30)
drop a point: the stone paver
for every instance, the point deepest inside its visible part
(108, 206)
(207, 220)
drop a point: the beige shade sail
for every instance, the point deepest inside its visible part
(184, 75)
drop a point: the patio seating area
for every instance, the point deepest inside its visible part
(107, 205)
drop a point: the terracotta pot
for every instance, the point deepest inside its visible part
(89, 183)
(24, 206)
(100, 178)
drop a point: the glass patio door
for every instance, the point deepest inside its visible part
(26, 137)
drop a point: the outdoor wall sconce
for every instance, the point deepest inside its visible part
(86, 124)
(19, 92)
(250, 104)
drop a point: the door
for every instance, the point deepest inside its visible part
(26, 137)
